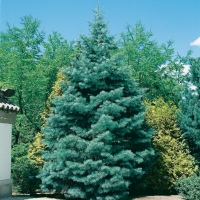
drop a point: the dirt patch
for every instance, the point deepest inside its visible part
(28, 198)
(173, 197)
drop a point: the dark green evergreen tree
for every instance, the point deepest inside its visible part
(189, 118)
(98, 143)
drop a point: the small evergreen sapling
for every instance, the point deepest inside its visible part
(97, 139)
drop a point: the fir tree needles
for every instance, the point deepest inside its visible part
(98, 142)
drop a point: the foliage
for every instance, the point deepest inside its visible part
(37, 147)
(57, 54)
(35, 151)
(23, 171)
(189, 188)
(29, 65)
(56, 91)
(30, 71)
(19, 54)
(189, 118)
(174, 160)
(153, 66)
(97, 140)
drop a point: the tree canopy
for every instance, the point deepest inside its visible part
(154, 67)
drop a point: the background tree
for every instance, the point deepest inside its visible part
(97, 140)
(31, 71)
(57, 54)
(189, 118)
(29, 65)
(20, 52)
(154, 67)
(37, 147)
(174, 159)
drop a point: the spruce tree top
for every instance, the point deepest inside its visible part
(98, 142)
(94, 68)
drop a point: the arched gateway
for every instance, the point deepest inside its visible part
(8, 113)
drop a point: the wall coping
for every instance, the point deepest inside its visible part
(8, 110)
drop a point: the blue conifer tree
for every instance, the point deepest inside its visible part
(98, 143)
(189, 118)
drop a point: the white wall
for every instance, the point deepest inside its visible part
(5, 151)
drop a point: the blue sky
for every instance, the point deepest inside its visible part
(177, 20)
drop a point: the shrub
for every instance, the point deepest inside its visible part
(174, 159)
(189, 188)
(35, 151)
(23, 171)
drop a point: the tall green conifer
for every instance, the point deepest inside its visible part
(97, 139)
(189, 119)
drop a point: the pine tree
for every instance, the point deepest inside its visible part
(97, 140)
(189, 118)
(174, 160)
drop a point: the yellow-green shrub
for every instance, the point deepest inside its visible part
(36, 148)
(56, 91)
(174, 159)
